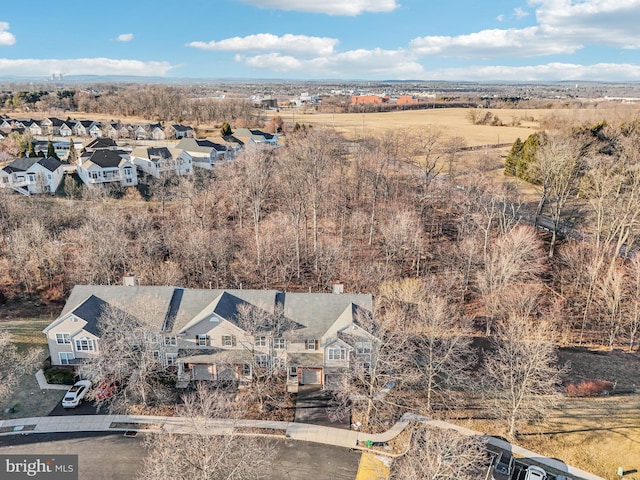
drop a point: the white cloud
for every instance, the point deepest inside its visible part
(329, 7)
(500, 17)
(266, 42)
(82, 66)
(612, 72)
(563, 27)
(125, 37)
(522, 42)
(359, 63)
(6, 37)
(520, 13)
(605, 22)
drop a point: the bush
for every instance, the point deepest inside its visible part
(589, 388)
(60, 375)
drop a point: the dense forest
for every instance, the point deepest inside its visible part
(372, 214)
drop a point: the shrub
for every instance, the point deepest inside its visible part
(589, 388)
(60, 375)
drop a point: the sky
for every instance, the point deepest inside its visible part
(456, 40)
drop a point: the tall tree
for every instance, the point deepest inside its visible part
(522, 371)
(558, 166)
(439, 454)
(205, 451)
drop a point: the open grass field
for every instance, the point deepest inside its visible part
(455, 122)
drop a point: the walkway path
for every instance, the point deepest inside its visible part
(296, 431)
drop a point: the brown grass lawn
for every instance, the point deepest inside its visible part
(594, 434)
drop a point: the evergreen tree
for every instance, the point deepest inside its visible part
(51, 152)
(32, 150)
(511, 163)
(225, 130)
(521, 157)
(73, 156)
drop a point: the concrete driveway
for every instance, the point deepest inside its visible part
(312, 406)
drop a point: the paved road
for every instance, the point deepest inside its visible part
(113, 456)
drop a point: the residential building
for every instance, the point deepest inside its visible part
(159, 161)
(226, 334)
(32, 175)
(181, 131)
(253, 135)
(203, 153)
(107, 166)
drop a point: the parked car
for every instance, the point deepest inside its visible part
(535, 473)
(106, 389)
(504, 467)
(75, 394)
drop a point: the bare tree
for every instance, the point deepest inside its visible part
(14, 363)
(376, 380)
(204, 453)
(558, 166)
(268, 334)
(514, 258)
(632, 318)
(127, 354)
(522, 370)
(611, 297)
(440, 454)
(443, 351)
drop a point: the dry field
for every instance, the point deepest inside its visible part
(454, 121)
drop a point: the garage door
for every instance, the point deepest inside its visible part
(311, 376)
(201, 372)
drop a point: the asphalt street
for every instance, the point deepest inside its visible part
(114, 456)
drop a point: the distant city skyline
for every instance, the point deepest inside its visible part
(458, 40)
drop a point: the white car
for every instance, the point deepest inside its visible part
(75, 394)
(535, 473)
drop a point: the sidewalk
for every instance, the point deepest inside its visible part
(295, 431)
(42, 383)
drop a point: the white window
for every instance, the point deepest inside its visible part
(66, 357)
(228, 341)
(62, 338)
(262, 360)
(261, 341)
(156, 355)
(170, 359)
(153, 338)
(85, 345)
(363, 347)
(337, 353)
(279, 343)
(202, 340)
(293, 371)
(246, 369)
(170, 340)
(310, 345)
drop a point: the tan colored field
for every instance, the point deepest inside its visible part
(594, 434)
(454, 121)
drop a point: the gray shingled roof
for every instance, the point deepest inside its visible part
(200, 146)
(315, 312)
(106, 158)
(50, 163)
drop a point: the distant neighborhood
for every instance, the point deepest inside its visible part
(114, 152)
